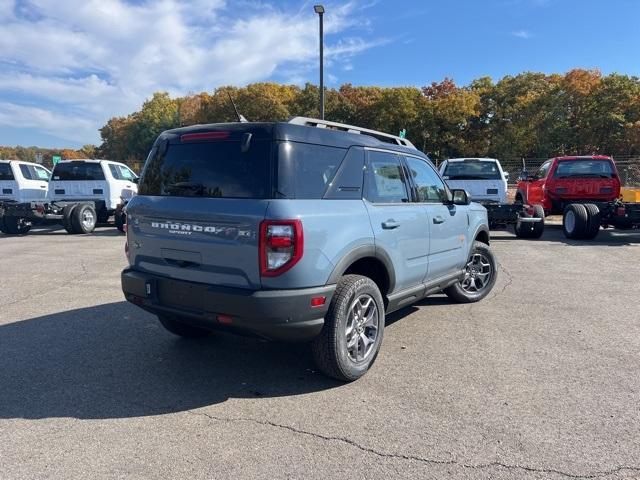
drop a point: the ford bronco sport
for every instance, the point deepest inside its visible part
(301, 231)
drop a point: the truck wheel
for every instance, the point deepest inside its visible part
(16, 225)
(537, 229)
(120, 220)
(575, 221)
(594, 220)
(353, 329)
(67, 211)
(103, 216)
(83, 218)
(480, 276)
(182, 329)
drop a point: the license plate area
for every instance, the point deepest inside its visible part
(182, 295)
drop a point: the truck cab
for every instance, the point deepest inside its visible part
(483, 178)
(23, 181)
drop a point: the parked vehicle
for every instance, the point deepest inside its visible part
(81, 194)
(486, 182)
(302, 231)
(585, 190)
(20, 182)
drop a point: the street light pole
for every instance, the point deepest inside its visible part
(319, 9)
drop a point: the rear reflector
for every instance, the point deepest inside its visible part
(318, 301)
(225, 319)
(191, 137)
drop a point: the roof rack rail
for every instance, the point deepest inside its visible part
(384, 137)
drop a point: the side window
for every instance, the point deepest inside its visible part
(385, 179)
(543, 170)
(115, 171)
(26, 172)
(125, 173)
(430, 187)
(42, 174)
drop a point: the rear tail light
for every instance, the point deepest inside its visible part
(281, 246)
(191, 137)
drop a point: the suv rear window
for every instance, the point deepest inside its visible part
(305, 170)
(584, 168)
(70, 171)
(5, 172)
(209, 169)
(472, 170)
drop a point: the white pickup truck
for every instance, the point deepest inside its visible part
(487, 183)
(80, 194)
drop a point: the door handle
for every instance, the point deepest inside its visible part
(438, 220)
(42, 186)
(390, 224)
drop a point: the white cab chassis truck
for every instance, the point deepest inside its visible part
(487, 183)
(80, 194)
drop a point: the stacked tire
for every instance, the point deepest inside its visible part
(531, 229)
(581, 221)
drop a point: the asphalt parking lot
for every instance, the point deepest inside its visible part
(541, 380)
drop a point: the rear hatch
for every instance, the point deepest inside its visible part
(8, 184)
(78, 180)
(593, 179)
(202, 196)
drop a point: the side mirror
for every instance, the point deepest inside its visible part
(136, 180)
(460, 197)
(506, 176)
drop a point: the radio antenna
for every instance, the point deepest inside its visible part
(241, 118)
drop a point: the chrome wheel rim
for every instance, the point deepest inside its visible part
(477, 274)
(362, 328)
(88, 220)
(570, 221)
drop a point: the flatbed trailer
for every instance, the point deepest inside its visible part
(527, 220)
(75, 216)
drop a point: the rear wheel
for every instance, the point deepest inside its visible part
(16, 225)
(182, 329)
(84, 218)
(479, 278)
(67, 211)
(594, 219)
(353, 329)
(575, 221)
(531, 229)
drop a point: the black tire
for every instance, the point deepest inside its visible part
(462, 292)
(83, 218)
(120, 220)
(103, 216)
(16, 225)
(594, 219)
(330, 350)
(530, 229)
(67, 211)
(520, 198)
(182, 329)
(575, 221)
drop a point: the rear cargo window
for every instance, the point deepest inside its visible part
(584, 169)
(472, 170)
(5, 172)
(305, 170)
(70, 171)
(209, 169)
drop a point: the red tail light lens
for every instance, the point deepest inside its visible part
(191, 137)
(281, 246)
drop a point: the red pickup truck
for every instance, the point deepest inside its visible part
(584, 190)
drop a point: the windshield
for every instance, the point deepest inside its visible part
(209, 169)
(77, 171)
(584, 168)
(472, 170)
(5, 171)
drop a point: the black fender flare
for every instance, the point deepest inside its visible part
(364, 251)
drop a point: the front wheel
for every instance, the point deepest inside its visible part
(480, 276)
(353, 329)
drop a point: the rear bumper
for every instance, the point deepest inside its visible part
(274, 314)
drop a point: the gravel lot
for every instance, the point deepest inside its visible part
(541, 380)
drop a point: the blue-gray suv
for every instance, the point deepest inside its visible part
(306, 230)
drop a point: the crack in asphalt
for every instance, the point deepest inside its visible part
(508, 282)
(415, 458)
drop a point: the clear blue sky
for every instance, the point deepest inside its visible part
(66, 67)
